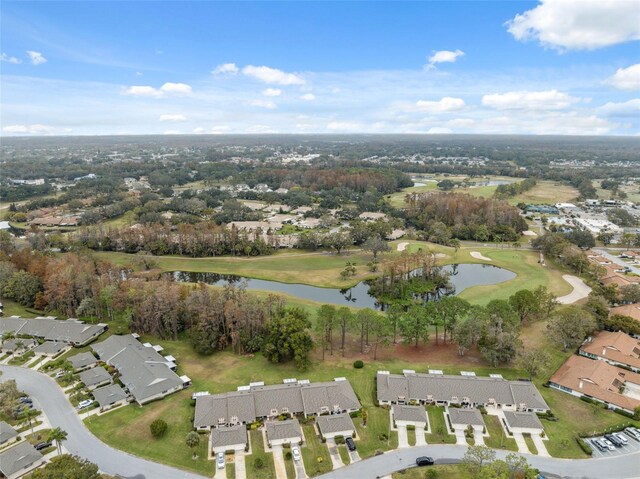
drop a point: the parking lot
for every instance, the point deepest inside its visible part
(632, 445)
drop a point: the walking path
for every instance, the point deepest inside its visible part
(580, 290)
(479, 255)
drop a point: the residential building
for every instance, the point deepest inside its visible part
(405, 415)
(7, 434)
(18, 460)
(283, 432)
(231, 438)
(51, 348)
(598, 380)
(71, 331)
(110, 396)
(335, 425)
(95, 377)
(523, 422)
(461, 418)
(617, 349)
(18, 345)
(83, 361)
(257, 401)
(418, 388)
(145, 373)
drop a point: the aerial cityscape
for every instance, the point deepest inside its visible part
(334, 240)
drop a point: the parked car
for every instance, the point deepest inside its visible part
(630, 432)
(424, 461)
(85, 404)
(42, 445)
(59, 374)
(609, 445)
(613, 440)
(351, 445)
(295, 451)
(599, 445)
(621, 438)
(25, 400)
(220, 460)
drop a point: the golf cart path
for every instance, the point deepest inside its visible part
(580, 290)
(479, 255)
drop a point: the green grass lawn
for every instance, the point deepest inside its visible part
(230, 469)
(411, 436)
(344, 454)
(127, 428)
(268, 470)
(288, 464)
(532, 447)
(497, 437)
(437, 423)
(315, 454)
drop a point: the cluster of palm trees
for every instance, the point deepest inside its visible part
(57, 435)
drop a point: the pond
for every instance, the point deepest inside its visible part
(463, 276)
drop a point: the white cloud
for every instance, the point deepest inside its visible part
(578, 24)
(272, 75)
(217, 130)
(343, 126)
(172, 132)
(226, 69)
(199, 130)
(167, 88)
(272, 92)
(529, 100)
(260, 129)
(445, 56)
(36, 129)
(9, 59)
(445, 104)
(181, 88)
(436, 130)
(268, 104)
(172, 118)
(629, 108)
(308, 97)
(461, 122)
(36, 58)
(626, 78)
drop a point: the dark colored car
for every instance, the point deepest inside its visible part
(424, 461)
(25, 400)
(614, 440)
(351, 445)
(42, 445)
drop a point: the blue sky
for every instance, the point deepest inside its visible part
(552, 67)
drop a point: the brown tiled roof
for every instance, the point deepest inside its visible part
(619, 347)
(631, 310)
(597, 379)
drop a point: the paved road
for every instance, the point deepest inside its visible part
(80, 441)
(619, 261)
(580, 290)
(620, 467)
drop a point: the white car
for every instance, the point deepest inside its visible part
(220, 460)
(621, 437)
(59, 374)
(295, 451)
(607, 443)
(84, 404)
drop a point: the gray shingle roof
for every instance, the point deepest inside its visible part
(335, 423)
(18, 457)
(82, 360)
(410, 413)
(94, 376)
(51, 347)
(108, 395)
(142, 369)
(479, 390)
(229, 436)
(466, 416)
(49, 328)
(261, 401)
(12, 344)
(522, 419)
(6, 432)
(288, 429)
